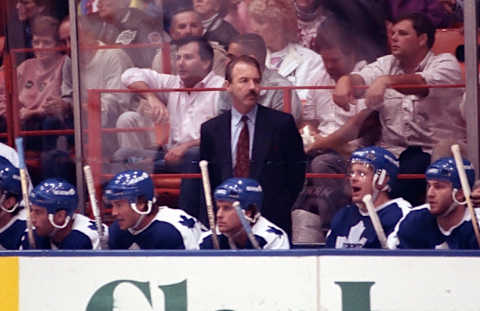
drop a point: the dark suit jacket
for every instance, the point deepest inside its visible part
(278, 160)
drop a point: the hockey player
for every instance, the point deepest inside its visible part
(230, 231)
(444, 222)
(57, 226)
(12, 214)
(372, 171)
(141, 223)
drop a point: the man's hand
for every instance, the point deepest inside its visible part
(375, 94)
(175, 154)
(153, 108)
(343, 93)
(55, 106)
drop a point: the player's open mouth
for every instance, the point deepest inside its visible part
(356, 189)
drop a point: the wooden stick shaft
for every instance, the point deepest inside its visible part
(93, 201)
(246, 225)
(24, 184)
(208, 200)
(377, 224)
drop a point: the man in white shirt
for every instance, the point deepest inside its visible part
(412, 119)
(184, 111)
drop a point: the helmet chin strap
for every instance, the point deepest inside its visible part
(142, 214)
(378, 180)
(52, 222)
(454, 204)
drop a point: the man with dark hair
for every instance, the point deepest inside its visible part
(183, 112)
(141, 222)
(257, 142)
(412, 118)
(186, 22)
(253, 45)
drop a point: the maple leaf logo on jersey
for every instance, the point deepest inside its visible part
(92, 225)
(354, 239)
(187, 222)
(274, 231)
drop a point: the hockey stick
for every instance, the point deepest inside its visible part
(24, 184)
(246, 225)
(93, 202)
(466, 188)
(208, 200)
(377, 225)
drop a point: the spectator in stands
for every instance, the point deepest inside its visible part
(323, 197)
(186, 22)
(185, 112)
(140, 222)
(253, 45)
(12, 211)
(412, 122)
(119, 24)
(266, 147)
(366, 21)
(57, 226)
(310, 15)
(39, 81)
(237, 15)
(372, 171)
(276, 22)
(444, 222)
(230, 231)
(20, 24)
(215, 28)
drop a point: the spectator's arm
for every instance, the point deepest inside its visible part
(348, 132)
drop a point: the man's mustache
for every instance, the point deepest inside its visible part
(253, 93)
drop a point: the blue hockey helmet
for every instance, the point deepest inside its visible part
(55, 194)
(446, 169)
(246, 191)
(10, 178)
(379, 159)
(130, 185)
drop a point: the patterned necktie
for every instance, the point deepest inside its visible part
(242, 167)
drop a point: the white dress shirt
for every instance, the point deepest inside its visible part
(187, 110)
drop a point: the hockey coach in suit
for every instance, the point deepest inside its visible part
(256, 142)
